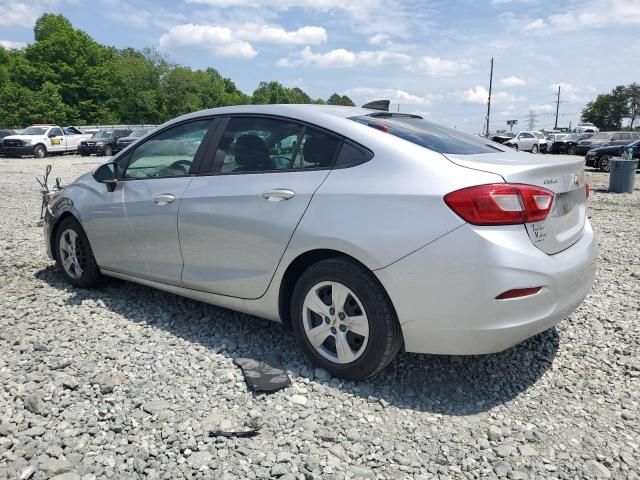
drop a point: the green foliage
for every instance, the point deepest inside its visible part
(609, 110)
(66, 77)
(336, 99)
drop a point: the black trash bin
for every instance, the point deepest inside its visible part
(622, 177)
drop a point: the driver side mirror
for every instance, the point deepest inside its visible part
(107, 174)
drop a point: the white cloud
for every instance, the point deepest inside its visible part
(379, 39)
(220, 41)
(513, 81)
(9, 44)
(572, 93)
(18, 14)
(308, 35)
(536, 25)
(440, 67)
(342, 58)
(542, 108)
(395, 96)
(479, 95)
(235, 40)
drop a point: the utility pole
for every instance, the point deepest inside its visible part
(557, 108)
(486, 133)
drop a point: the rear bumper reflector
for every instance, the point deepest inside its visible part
(518, 292)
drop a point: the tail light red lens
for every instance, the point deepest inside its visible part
(501, 203)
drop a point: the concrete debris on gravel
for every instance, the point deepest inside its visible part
(126, 382)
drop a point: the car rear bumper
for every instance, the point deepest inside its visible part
(86, 150)
(445, 293)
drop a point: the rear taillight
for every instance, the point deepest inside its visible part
(501, 203)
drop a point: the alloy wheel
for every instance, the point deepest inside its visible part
(605, 164)
(71, 253)
(335, 322)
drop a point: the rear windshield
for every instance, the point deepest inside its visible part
(429, 135)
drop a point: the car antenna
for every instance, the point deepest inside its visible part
(378, 105)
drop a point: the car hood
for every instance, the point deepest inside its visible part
(605, 148)
(22, 137)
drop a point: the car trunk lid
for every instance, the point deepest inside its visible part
(564, 225)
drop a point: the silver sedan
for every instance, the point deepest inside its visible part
(365, 231)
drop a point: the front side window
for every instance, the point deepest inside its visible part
(56, 131)
(256, 144)
(168, 154)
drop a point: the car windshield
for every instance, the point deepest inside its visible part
(572, 137)
(601, 136)
(539, 134)
(35, 130)
(138, 133)
(429, 135)
(103, 134)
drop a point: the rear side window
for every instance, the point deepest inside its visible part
(429, 135)
(351, 155)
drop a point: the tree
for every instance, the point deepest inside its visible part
(633, 102)
(607, 111)
(336, 99)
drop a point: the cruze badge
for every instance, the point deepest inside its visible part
(549, 181)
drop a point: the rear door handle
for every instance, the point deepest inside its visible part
(163, 199)
(278, 195)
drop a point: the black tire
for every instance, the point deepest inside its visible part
(604, 163)
(535, 149)
(385, 337)
(84, 154)
(571, 150)
(515, 145)
(90, 276)
(107, 151)
(39, 151)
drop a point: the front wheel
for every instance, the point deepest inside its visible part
(107, 151)
(39, 151)
(74, 256)
(605, 163)
(343, 319)
(571, 150)
(535, 149)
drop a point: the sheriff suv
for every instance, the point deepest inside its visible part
(43, 140)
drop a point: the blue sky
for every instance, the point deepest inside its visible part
(430, 57)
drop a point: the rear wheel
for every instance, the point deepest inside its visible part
(605, 163)
(343, 319)
(39, 151)
(108, 150)
(74, 256)
(571, 150)
(535, 149)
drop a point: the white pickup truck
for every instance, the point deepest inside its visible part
(43, 140)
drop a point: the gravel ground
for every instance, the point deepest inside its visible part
(127, 382)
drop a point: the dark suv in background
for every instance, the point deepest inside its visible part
(134, 136)
(103, 142)
(606, 138)
(600, 157)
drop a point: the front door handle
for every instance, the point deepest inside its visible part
(278, 195)
(163, 199)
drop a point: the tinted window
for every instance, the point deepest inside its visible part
(429, 135)
(56, 131)
(34, 131)
(266, 144)
(625, 136)
(352, 155)
(168, 154)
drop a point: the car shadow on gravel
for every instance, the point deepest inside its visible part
(451, 385)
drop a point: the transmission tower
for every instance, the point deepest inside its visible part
(532, 120)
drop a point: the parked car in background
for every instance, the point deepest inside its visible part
(4, 133)
(134, 136)
(586, 127)
(43, 140)
(601, 139)
(103, 142)
(565, 143)
(503, 137)
(600, 157)
(533, 142)
(325, 239)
